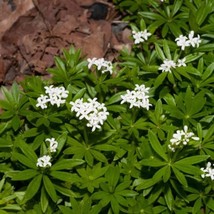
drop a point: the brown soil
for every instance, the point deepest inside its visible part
(32, 32)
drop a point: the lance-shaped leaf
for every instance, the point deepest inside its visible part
(156, 145)
(67, 164)
(32, 188)
(22, 175)
(193, 160)
(24, 160)
(49, 187)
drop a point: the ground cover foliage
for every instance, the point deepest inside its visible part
(133, 136)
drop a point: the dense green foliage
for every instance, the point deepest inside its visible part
(126, 166)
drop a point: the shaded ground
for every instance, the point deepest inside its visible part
(32, 32)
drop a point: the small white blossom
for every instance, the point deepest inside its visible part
(42, 101)
(181, 138)
(44, 161)
(208, 171)
(140, 36)
(94, 112)
(181, 62)
(137, 98)
(194, 41)
(182, 41)
(53, 144)
(101, 64)
(167, 65)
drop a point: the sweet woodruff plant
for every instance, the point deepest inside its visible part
(133, 135)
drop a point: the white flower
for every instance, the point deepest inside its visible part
(42, 101)
(53, 144)
(54, 96)
(181, 138)
(167, 65)
(91, 62)
(94, 112)
(140, 36)
(181, 62)
(182, 41)
(194, 41)
(208, 171)
(44, 161)
(101, 64)
(146, 34)
(137, 98)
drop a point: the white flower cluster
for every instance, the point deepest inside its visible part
(184, 41)
(45, 160)
(137, 98)
(169, 64)
(181, 138)
(101, 64)
(208, 171)
(53, 95)
(94, 112)
(140, 36)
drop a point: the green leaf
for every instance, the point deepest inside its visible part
(156, 145)
(32, 188)
(64, 191)
(206, 47)
(168, 197)
(197, 206)
(22, 175)
(112, 175)
(65, 176)
(166, 50)
(159, 52)
(208, 71)
(79, 94)
(192, 57)
(27, 150)
(30, 132)
(180, 176)
(16, 122)
(115, 206)
(202, 13)
(115, 98)
(152, 16)
(152, 162)
(188, 69)
(142, 25)
(145, 183)
(99, 156)
(193, 170)
(44, 200)
(167, 173)
(159, 80)
(176, 7)
(192, 160)
(50, 188)
(116, 108)
(67, 164)
(24, 160)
